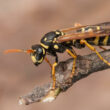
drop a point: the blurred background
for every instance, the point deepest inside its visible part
(22, 24)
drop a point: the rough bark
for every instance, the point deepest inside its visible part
(85, 66)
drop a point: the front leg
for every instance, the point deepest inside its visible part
(53, 71)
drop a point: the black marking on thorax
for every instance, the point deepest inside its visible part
(50, 38)
(49, 42)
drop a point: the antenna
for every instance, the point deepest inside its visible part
(18, 50)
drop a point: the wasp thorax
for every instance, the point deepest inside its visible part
(38, 55)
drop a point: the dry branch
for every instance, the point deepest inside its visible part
(85, 66)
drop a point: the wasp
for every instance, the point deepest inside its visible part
(63, 40)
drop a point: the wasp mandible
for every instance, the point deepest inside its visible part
(62, 40)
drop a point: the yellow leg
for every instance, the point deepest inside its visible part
(53, 75)
(93, 49)
(48, 62)
(74, 62)
(53, 71)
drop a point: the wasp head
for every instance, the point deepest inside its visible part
(38, 55)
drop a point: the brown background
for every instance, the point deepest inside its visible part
(23, 23)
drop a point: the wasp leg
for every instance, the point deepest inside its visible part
(53, 71)
(74, 62)
(53, 75)
(102, 48)
(48, 62)
(93, 49)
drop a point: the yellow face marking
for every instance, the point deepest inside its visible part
(96, 41)
(98, 28)
(40, 61)
(33, 59)
(43, 51)
(45, 46)
(56, 47)
(105, 40)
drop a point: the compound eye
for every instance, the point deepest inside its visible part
(40, 51)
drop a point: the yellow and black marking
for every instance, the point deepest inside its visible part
(93, 49)
(80, 43)
(99, 41)
(55, 40)
(83, 30)
(59, 41)
(45, 46)
(96, 41)
(44, 52)
(45, 39)
(105, 40)
(33, 58)
(56, 46)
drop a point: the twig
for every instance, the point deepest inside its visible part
(85, 66)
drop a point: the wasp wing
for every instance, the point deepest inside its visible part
(72, 28)
(104, 25)
(80, 35)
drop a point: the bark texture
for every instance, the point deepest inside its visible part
(85, 66)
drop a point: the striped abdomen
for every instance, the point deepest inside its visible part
(100, 41)
(96, 40)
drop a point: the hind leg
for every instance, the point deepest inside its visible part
(93, 49)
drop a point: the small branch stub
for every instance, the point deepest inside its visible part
(85, 66)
